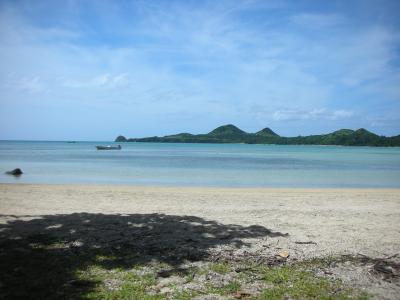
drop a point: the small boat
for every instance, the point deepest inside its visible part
(109, 147)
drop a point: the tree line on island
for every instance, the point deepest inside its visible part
(232, 134)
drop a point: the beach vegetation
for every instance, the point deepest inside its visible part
(232, 134)
(97, 256)
(295, 282)
(221, 268)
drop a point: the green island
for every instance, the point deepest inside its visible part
(232, 134)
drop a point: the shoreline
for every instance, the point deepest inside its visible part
(339, 233)
(200, 187)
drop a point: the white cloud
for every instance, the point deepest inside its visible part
(366, 57)
(26, 84)
(32, 85)
(100, 81)
(314, 114)
(340, 114)
(214, 60)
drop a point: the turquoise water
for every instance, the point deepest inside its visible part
(223, 165)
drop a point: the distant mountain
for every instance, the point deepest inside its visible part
(344, 137)
(121, 138)
(232, 134)
(266, 132)
(227, 130)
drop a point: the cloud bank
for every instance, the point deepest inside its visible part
(73, 70)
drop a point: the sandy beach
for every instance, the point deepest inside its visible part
(305, 223)
(337, 220)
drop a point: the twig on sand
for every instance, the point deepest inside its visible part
(305, 243)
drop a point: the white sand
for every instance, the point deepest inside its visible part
(337, 220)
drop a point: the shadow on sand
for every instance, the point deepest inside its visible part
(40, 257)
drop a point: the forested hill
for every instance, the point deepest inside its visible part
(232, 134)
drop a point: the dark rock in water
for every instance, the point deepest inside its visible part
(15, 172)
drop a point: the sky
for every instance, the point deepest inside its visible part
(92, 70)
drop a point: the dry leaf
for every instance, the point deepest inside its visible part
(284, 254)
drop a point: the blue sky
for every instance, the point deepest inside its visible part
(91, 70)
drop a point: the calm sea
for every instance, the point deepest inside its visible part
(219, 165)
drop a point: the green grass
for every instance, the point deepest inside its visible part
(185, 295)
(295, 283)
(291, 281)
(286, 282)
(221, 268)
(99, 280)
(230, 288)
(133, 287)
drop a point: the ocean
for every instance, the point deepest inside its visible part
(203, 165)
